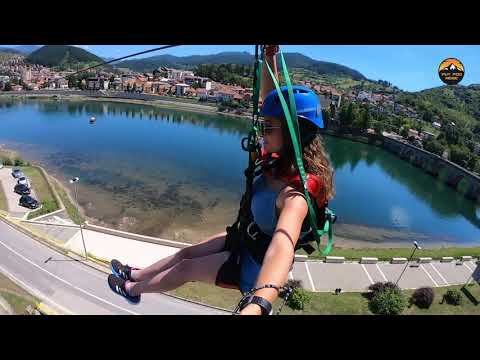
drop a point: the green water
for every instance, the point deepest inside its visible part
(179, 175)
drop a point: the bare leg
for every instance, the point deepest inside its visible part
(203, 269)
(209, 246)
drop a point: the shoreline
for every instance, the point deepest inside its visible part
(171, 104)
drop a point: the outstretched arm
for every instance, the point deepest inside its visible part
(267, 83)
(280, 253)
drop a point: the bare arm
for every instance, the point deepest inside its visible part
(267, 83)
(280, 253)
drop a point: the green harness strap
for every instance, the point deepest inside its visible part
(293, 127)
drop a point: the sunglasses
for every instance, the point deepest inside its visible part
(266, 128)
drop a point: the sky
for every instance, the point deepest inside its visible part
(410, 67)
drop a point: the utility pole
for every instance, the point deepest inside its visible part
(75, 181)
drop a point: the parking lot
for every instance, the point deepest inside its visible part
(324, 277)
(8, 182)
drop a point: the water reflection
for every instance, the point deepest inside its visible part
(162, 172)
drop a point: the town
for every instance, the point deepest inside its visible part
(385, 114)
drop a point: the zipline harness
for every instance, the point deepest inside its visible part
(240, 232)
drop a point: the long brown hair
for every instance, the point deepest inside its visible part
(315, 159)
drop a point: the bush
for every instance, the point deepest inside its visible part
(49, 206)
(7, 162)
(378, 287)
(453, 297)
(290, 283)
(390, 301)
(423, 297)
(298, 299)
(19, 162)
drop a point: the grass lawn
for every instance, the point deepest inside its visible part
(387, 254)
(17, 297)
(330, 304)
(209, 294)
(42, 191)
(72, 210)
(3, 200)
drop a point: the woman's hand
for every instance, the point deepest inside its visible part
(251, 309)
(271, 50)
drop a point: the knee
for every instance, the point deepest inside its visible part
(185, 253)
(185, 268)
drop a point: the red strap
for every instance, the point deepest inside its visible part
(315, 186)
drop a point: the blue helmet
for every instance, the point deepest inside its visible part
(306, 101)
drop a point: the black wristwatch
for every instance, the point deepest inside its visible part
(263, 303)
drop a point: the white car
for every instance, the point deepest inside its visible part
(1, 165)
(23, 181)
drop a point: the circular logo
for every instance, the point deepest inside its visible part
(451, 71)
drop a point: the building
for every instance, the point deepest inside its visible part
(174, 74)
(26, 75)
(414, 133)
(116, 84)
(61, 83)
(202, 94)
(199, 80)
(104, 83)
(364, 96)
(324, 101)
(93, 83)
(180, 89)
(225, 95)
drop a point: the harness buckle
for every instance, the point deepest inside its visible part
(248, 231)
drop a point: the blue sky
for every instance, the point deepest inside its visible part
(410, 67)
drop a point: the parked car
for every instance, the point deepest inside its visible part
(23, 181)
(16, 173)
(22, 189)
(28, 202)
(1, 165)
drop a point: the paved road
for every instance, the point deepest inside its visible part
(72, 287)
(8, 183)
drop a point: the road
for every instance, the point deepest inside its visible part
(71, 287)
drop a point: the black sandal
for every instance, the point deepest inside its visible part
(122, 271)
(118, 286)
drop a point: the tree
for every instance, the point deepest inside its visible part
(434, 146)
(460, 155)
(8, 87)
(451, 134)
(378, 127)
(364, 119)
(404, 132)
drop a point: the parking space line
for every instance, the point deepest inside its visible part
(366, 272)
(381, 273)
(468, 267)
(430, 276)
(438, 272)
(309, 276)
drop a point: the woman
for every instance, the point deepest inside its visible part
(278, 206)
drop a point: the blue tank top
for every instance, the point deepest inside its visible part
(264, 206)
(265, 216)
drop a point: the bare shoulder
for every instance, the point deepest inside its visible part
(292, 198)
